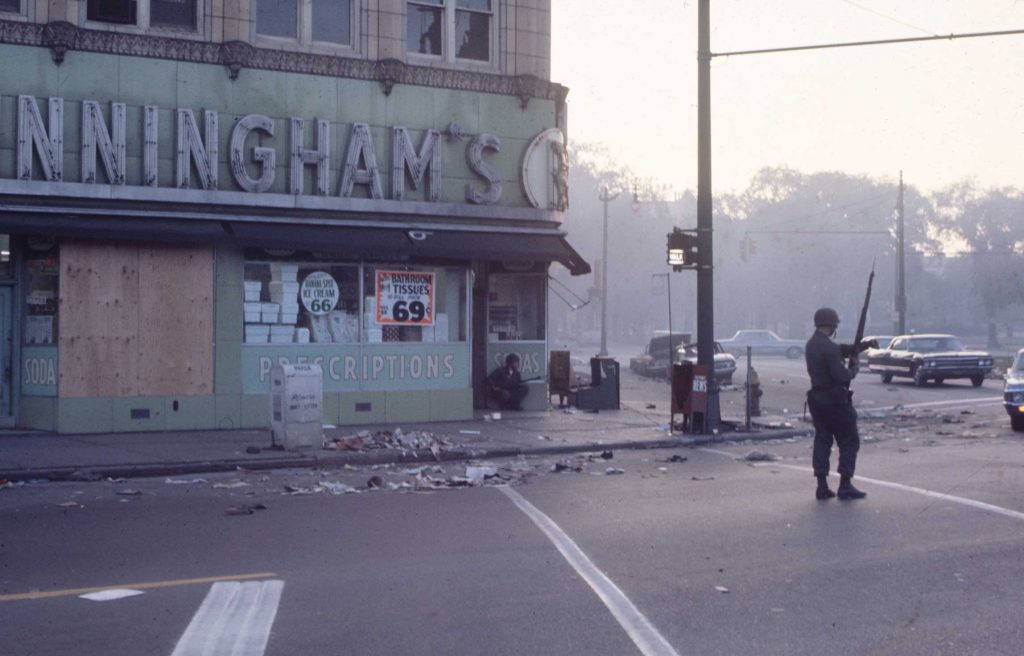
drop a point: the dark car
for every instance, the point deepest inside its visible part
(725, 364)
(656, 356)
(929, 357)
(1013, 392)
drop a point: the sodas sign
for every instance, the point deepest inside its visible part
(319, 293)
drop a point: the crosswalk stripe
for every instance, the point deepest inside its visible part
(234, 618)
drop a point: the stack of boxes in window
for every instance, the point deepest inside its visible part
(255, 332)
(283, 310)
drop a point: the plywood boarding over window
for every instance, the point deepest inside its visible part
(135, 320)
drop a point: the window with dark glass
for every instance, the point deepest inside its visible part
(10, 5)
(473, 29)
(173, 13)
(516, 307)
(41, 289)
(332, 21)
(111, 11)
(277, 18)
(424, 26)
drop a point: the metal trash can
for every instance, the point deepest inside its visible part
(297, 405)
(603, 391)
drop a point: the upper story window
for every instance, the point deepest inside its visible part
(10, 5)
(450, 29)
(112, 11)
(172, 13)
(176, 14)
(306, 21)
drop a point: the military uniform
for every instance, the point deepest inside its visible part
(833, 414)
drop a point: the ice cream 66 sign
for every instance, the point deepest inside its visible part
(405, 298)
(319, 293)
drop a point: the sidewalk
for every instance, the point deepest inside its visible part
(33, 455)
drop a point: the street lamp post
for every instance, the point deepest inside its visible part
(606, 197)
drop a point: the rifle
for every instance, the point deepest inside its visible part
(859, 344)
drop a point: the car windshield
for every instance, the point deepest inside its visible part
(1018, 366)
(933, 344)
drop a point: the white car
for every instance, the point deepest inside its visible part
(762, 342)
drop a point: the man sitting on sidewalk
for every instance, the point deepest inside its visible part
(506, 386)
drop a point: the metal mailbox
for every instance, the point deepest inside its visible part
(297, 405)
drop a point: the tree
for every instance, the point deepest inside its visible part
(991, 225)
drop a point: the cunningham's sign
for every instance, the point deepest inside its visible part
(252, 163)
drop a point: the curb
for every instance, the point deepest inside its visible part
(90, 473)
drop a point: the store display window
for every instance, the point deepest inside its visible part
(301, 303)
(516, 307)
(305, 301)
(41, 291)
(414, 304)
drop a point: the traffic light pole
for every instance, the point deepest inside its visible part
(605, 197)
(705, 260)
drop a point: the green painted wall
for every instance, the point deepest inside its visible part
(169, 85)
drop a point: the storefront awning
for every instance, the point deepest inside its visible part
(391, 244)
(115, 228)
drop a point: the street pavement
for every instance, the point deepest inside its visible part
(703, 550)
(589, 541)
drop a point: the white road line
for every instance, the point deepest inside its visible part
(235, 618)
(989, 400)
(637, 627)
(980, 505)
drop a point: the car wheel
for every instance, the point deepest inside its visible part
(939, 381)
(919, 378)
(1017, 423)
(977, 380)
(886, 378)
(793, 352)
(726, 381)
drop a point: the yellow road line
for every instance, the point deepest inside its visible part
(74, 592)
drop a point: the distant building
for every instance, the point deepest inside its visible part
(192, 191)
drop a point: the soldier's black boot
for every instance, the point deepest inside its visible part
(823, 492)
(847, 491)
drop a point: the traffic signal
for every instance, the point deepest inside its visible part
(682, 249)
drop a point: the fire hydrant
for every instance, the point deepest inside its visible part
(754, 394)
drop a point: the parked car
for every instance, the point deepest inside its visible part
(762, 342)
(883, 342)
(725, 364)
(1013, 392)
(656, 356)
(937, 357)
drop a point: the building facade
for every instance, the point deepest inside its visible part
(192, 191)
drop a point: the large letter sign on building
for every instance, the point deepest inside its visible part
(405, 298)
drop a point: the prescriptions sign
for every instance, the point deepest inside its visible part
(405, 298)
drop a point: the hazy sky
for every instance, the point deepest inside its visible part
(940, 111)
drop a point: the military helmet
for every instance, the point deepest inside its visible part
(826, 317)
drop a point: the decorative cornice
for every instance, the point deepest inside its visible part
(61, 36)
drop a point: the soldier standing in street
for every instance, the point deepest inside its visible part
(831, 406)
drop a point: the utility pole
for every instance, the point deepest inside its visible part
(605, 197)
(901, 289)
(705, 272)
